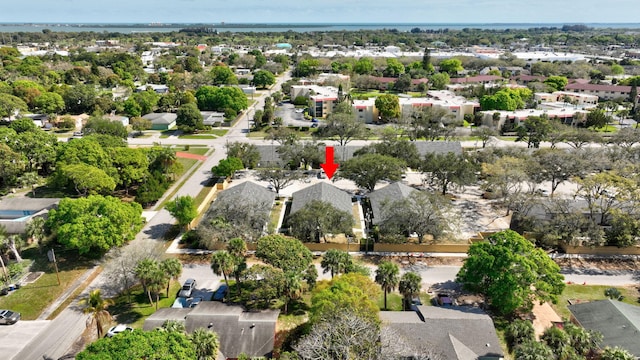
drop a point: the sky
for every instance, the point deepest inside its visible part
(324, 11)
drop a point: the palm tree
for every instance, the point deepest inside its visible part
(238, 249)
(335, 261)
(292, 288)
(97, 306)
(172, 268)
(519, 332)
(35, 229)
(151, 276)
(206, 343)
(172, 325)
(409, 285)
(222, 263)
(387, 277)
(616, 353)
(532, 350)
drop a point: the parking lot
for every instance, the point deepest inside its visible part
(14, 338)
(290, 117)
(207, 281)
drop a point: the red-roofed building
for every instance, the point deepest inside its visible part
(606, 92)
(480, 79)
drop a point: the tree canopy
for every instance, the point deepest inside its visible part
(138, 344)
(285, 253)
(511, 272)
(94, 223)
(368, 169)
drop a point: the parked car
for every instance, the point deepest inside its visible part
(195, 301)
(8, 317)
(115, 330)
(220, 294)
(187, 288)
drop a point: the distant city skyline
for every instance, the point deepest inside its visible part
(327, 11)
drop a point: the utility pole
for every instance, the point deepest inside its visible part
(52, 258)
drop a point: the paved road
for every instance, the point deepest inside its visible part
(57, 336)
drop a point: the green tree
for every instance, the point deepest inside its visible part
(292, 288)
(559, 342)
(87, 179)
(23, 125)
(223, 75)
(533, 350)
(364, 66)
(247, 153)
(353, 292)
(534, 130)
(367, 170)
(96, 305)
(172, 268)
(238, 249)
(206, 344)
(99, 125)
(263, 78)
(284, 253)
(342, 125)
(189, 118)
(132, 165)
(11, 105)
(451, 66)
(511, 272)
(556, 166)
(95, 223)
(439, 81)
(409, 286)
(388, 106)
(556, 83)
(183, 209)
(443, 170)
(597, 118)
(278, 178)
(387, 276)
(616, 353)
(39, 147)
(80, 99)
(313, 221)
(223, 263)
(138, 344)
(421, 213)
(336, 262)
(394, 68)
(227, 167)
(12, 164)
(519, 332)
(583, 341)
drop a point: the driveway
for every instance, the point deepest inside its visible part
(15, 337)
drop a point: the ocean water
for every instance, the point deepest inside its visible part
(137, 28)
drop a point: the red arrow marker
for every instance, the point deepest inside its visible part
(329, 166)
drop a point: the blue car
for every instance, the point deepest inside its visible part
(314, 120)
(220, 294)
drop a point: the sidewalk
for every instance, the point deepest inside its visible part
(67, 293)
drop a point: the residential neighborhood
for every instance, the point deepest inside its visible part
(370, 194)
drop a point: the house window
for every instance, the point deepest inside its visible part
(360, 110)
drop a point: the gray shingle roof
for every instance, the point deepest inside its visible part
(27, 204)
(161, 118)
(461, 333)
(619, 323)
(247, 192)
(269, 153)
(239, 331)
(389, 193)
(321, 191)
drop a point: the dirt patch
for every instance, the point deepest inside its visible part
(630, 264)
(31, 277)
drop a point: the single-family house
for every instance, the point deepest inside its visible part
(161, 121)
(239, 331)
(618, 322)
(454, 333)
(15, 213)
(389, 193)
(158, 88)
(324, 192)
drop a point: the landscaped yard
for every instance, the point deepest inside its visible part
(575, 292)
(274, 216)
(31, 299)
(139, 309)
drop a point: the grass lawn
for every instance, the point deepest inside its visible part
(31, 299)
(588, 293)
(356, 216)
(218, 132)
(394, 302)
(139, 309)
(197, 150)
(607, 129)
(274, 216)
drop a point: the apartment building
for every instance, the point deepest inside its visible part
(603, 91)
